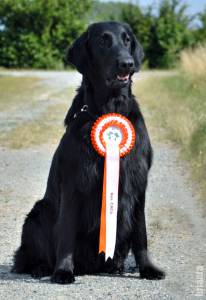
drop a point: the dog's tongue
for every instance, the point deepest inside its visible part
(123, 78)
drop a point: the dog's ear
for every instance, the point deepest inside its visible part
(77, 53)
(137, 52)
(136, 49)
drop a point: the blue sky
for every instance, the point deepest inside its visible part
(194, 5)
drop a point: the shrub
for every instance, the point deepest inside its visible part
(36, 33)
(164, 34)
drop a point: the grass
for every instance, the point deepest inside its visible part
(23, 95)
(47, 128)
(16, 91)
(175, 109)
(193, 64)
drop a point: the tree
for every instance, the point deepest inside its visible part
(163, 34)
(35, 33)
(170, 34)
(200, 33)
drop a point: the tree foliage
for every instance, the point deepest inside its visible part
(35, 33)
(163, 35)
(104, 11)
(200, 33)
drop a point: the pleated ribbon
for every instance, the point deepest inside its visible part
(112, 136)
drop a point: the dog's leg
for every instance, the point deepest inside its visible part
(66, 235)
(35, 255)
(139, 246)
(113, 266)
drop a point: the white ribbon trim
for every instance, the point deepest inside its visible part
(112, 187)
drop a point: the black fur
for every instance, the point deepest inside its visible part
(60, 235)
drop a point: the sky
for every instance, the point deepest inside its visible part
(195, 6)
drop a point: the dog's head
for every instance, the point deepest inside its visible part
(107, 51)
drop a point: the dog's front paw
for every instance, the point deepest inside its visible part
(151, 272)
(62, 277)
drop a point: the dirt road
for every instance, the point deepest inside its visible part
(176, 227)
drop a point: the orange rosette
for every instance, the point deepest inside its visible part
(117, 121)
(112, 136)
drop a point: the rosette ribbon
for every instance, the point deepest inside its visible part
(112, 136)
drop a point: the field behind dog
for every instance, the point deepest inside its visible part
(32, 109)
(177, 109)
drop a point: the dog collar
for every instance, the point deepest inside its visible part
(83, 109)
(112, 136)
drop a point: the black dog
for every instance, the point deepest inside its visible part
(61, 233)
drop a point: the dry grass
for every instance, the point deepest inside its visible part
(175, 109)
(168, 117)
(16, 91)
(48, 128)
(24, 95)
(193, 63)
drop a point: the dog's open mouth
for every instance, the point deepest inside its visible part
(123, 78)
(119, 80)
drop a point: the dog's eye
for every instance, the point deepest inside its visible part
(101, 42)
(127, 41)
(105, 41)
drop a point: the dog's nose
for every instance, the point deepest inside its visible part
(126, 64)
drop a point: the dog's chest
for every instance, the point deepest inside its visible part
(92, 172)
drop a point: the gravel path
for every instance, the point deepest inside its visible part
(176, 232)
(58, 79)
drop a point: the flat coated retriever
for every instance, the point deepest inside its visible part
(61, 233)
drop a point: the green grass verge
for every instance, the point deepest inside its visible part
(23, 95)
(47, 128)
(16, 91)
(175, 109)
